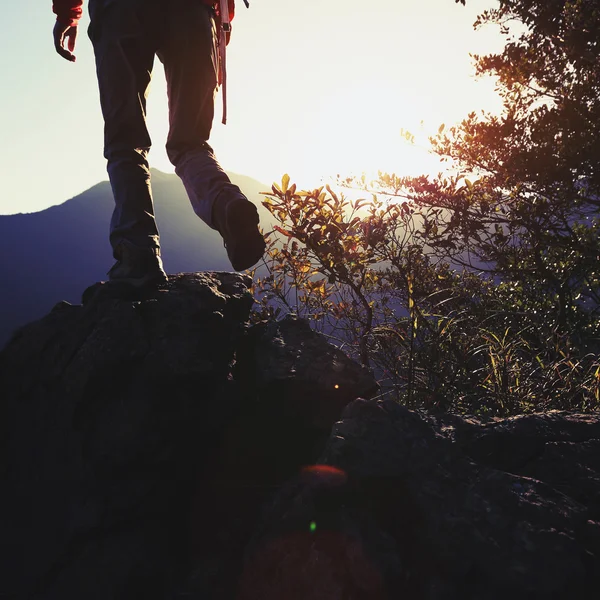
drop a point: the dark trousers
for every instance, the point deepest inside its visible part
(127, 35)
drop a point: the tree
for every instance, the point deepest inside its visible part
(526, 201)
(478, 289)
(524, 204)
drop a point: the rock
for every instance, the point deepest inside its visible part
(413, 515)
(107, 407)
(299, 381)
(134, 464)
(158, 446)
(295, 386)
(557, 447)
(294, 362)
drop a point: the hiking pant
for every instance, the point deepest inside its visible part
(127, 35)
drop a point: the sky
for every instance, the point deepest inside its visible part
(316, 88)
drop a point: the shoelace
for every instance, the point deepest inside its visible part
(225, 31)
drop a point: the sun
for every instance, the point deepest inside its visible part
(362, 132)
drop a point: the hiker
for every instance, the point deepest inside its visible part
(126, 36)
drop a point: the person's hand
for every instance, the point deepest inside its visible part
(64, 40)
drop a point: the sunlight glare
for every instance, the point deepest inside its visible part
(362, 133)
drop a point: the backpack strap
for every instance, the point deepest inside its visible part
(224, 33)
(225, 13)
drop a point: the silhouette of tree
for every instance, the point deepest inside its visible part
(524, 204)
(477, 290)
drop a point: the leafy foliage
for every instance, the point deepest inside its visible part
(477, 290)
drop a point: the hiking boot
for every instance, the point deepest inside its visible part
(137, 267)
(237, 222)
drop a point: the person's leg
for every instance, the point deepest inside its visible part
(189, 52)
(124, 46)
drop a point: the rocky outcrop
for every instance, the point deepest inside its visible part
(129, 452)
(161, 447)
(106, 408)
(406, 506)
(559, 448)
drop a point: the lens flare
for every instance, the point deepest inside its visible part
(326, 474)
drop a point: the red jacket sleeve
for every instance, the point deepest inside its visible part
(67, 12)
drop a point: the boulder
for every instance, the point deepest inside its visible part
(294, 386)
(106, 409)
(404, 507)
(141, 433)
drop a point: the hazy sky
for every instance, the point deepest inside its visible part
(316, 87)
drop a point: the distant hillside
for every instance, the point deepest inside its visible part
(55, 254)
